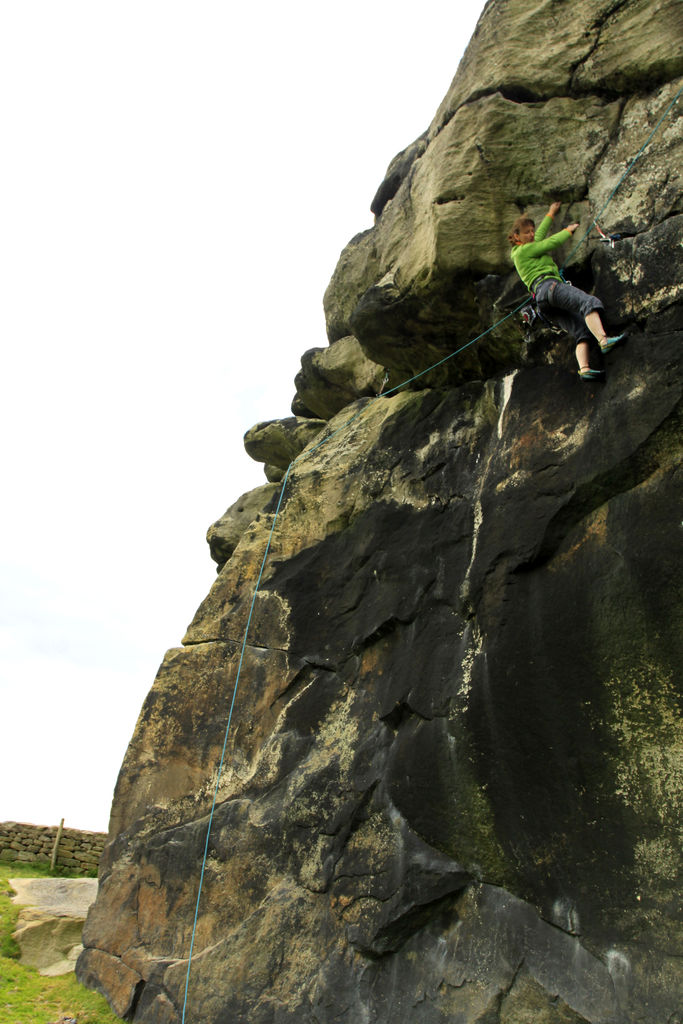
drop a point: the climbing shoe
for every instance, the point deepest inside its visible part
(609, 343)
(588, 374)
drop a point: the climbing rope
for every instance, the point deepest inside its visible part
(309, 451)
(626, 173)
(225, 740)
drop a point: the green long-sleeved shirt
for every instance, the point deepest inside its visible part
(532, 260)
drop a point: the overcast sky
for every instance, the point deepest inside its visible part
(177, 182)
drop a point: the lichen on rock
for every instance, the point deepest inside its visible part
(452, 789)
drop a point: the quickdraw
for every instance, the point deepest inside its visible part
(608, 239)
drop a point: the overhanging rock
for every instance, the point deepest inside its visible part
(454, 770)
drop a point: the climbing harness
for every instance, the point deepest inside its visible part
(531, 316)
(382, 394)
(528, 316)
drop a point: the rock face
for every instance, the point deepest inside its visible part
(454, 771)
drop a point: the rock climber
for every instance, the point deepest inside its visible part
(571, 309)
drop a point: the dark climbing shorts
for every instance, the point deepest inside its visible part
(567, 306)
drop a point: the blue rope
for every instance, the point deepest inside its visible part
(309, 451)
(391, 391)
(225, 740)
(457, 351)
(626, 173)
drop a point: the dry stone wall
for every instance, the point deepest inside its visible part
(79, 851)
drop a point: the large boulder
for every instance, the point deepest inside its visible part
(51, 918)
(278, 442)
(224, 535)
(450, 784)
(511, 134)
(455, 756)
(333, 377)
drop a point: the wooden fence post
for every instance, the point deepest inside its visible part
(55, 848)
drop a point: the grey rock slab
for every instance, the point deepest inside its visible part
(62, 897)
(51, 920)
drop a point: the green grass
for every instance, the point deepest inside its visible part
(25, 996)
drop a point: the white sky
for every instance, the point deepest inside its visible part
(177, 182)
